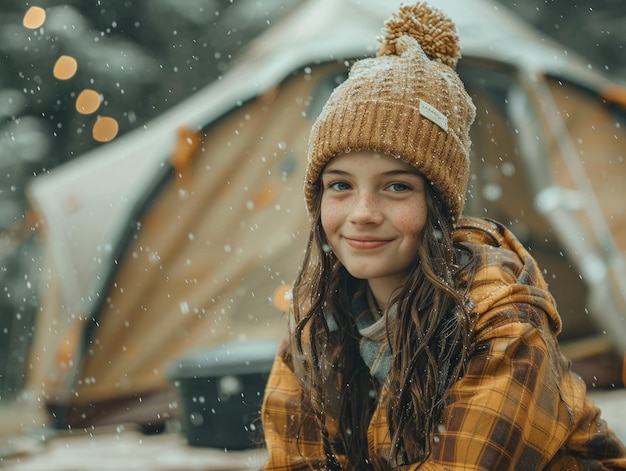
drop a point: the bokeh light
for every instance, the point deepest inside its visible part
(267, 195)
(65, 67)
(282, 298)
(34, 18)
(88, 101)
(105, 129)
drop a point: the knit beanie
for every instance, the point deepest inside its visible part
(407, 102)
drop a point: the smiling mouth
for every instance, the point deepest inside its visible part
(366, 244)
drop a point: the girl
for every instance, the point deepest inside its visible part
(418, 339)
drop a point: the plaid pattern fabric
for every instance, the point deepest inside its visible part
(517, 406)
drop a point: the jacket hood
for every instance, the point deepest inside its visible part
(505, 274)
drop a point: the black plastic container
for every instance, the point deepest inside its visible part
(221, 391)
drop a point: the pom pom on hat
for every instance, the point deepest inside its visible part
(407, 102)
(434, 31)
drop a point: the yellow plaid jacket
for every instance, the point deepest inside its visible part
(516, 407)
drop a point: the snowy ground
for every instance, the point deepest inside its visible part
(129, 450)
(613, 406)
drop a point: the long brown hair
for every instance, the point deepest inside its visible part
(428, 339)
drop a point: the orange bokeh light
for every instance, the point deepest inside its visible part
(88, 101)
(65, 67)
(267, 195)
(282, 298)
(34, 17)
(105, 129)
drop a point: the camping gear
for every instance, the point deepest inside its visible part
(221, 390)
(178, 236)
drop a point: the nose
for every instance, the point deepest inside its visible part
(366, 209)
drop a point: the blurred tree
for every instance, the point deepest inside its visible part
(594, 29)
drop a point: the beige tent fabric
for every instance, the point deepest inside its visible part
(586, 160)
(219, 240)
(599, 138)
(499, 188)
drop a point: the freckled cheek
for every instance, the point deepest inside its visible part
(411, 221)
(408, 226)
(330, 217)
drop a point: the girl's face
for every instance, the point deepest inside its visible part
(373, 209)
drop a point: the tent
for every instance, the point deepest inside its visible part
(187, 233)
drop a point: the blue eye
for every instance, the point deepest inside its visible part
(339, 186)
(398, 187)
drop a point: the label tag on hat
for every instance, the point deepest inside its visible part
(428, 111)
